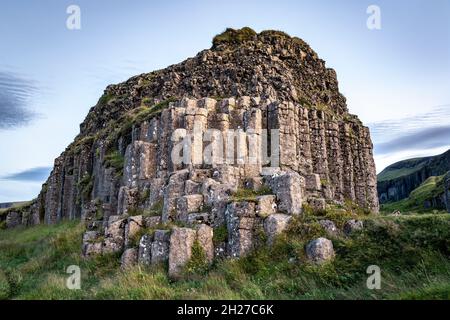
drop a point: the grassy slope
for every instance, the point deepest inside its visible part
(412, 252)
(430, 188)
(402, 168)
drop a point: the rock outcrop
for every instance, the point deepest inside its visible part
(292, 143)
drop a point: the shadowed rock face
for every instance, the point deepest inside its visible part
(120, 165)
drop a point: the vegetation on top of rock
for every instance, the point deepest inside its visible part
(234, 36)
(243, 194)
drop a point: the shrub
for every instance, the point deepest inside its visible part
(198, 264)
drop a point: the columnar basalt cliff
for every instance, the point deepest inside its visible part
(119, 177)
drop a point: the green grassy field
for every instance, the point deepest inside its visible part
(412, 252)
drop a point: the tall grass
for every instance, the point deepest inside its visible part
(412, 252)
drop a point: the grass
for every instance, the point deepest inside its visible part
(429, 189)
(402, 168)
(243, 194)
(115, 160)
(412, 252)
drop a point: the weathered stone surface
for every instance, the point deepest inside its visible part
(180, 252)
(152, 221)
(198, 218)
(129, 258)
(266, 205)
(140, 163)
(288, 188)
(205, 240)
(242, 223)
(160, 246)
(317, 204)
(353, 225)
(91, 246)
(174, 190)
(115, 236)
(132, 228)
(145, 249)
(329, 227)
(275, 224)
(313, 182)
(191, 187)
(320, 250)
(127, 199)
(13, 219)
(189, 204)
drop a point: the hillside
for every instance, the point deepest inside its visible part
(429, 196)
(398, 180)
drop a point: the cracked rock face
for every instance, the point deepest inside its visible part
(120, 175)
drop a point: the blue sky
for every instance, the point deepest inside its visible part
(396, 79)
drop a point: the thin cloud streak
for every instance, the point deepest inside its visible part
(16, 92)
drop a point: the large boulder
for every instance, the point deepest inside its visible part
(288, 187)
(275, 224)
(320, 250)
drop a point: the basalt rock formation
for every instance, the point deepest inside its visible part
(119, 175)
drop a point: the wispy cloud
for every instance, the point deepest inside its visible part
(38, 174)
(423, 131)
(423, 139)
(16, 93)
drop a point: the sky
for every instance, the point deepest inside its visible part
(396, 78)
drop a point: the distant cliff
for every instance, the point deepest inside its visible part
(398, 180)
